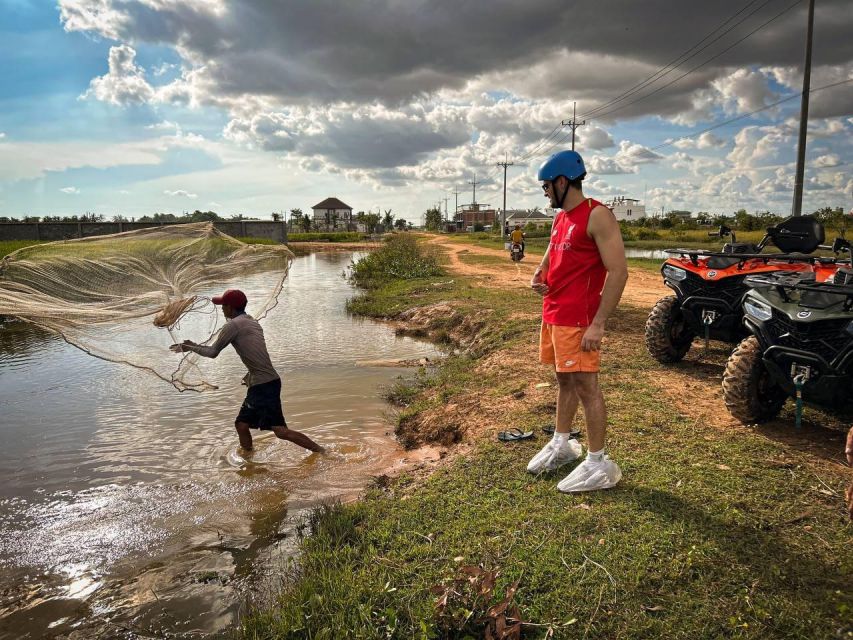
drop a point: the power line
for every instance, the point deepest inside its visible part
(731, 46)
(649, 80)
(751, 113)
(714, 57)
(677, 62)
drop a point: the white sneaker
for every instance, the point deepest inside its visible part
(591, 476)
(554, 456)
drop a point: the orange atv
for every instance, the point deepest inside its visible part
(709, 285)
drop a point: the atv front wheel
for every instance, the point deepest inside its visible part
(668, 337)
(748, 390)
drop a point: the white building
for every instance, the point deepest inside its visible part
(523, 217)
(333, 214)
(627, 208)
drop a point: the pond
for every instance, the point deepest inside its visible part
(121, 505)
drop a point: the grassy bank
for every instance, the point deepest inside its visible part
(712, 534)
(8, 246)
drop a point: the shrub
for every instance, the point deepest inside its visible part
(401, 258)
(647, 234)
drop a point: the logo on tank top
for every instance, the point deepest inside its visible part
(566, 244)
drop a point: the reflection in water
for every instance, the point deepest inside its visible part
(122, 499)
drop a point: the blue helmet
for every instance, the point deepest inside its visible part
(562, 163)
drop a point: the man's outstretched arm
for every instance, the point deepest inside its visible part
(226, 337)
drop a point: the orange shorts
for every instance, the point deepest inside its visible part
(561, 346)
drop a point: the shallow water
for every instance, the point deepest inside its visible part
(124, 505)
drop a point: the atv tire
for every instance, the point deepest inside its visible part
(748, 390)
(668, 337)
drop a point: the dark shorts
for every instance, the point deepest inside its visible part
(262, 407)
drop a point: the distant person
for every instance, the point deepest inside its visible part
(506, 229)
(581, 278)
(517, 237)
(262, 407)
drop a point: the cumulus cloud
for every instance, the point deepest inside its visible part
(180, 193)
(358, 89)
(594, 139)
(125, 82)
(743, 90)
(369, 136)
(826, 103)
(828, 160)
(265, 47)
(70, 190)
(600, 165)
(632, 154)
(709, 141)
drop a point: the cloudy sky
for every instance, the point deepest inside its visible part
(254, 106)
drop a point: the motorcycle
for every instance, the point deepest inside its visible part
(516, 252)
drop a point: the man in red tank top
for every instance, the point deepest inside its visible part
(581, 278)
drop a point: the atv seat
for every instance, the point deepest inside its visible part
(797, 234)
(720, 262)
(740, 247)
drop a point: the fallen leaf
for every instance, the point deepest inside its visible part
(601, 541)
(458, 558)
(582, 505)
(542, 385)
(657, 607)
(724, 467)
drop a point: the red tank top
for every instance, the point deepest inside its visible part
(576, 273)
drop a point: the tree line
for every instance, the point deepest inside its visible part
(371, 222)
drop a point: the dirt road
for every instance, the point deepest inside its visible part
(643, 288)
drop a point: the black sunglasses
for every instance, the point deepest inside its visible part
(546, 186)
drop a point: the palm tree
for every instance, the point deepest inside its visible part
(388, 220)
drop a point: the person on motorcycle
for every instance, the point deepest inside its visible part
(517, 237)
(581, 279)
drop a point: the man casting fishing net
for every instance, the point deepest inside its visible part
(262, 407)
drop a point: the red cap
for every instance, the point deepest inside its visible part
(233, 298)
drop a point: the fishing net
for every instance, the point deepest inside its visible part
(126, 297)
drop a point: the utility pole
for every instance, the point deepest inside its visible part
(456, 193)
(804, 117)
(573, 123)
(504, 164)
(474, 183)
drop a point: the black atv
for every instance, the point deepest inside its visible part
(801, 345)
(709, 286)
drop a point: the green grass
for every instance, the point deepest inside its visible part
(8, 246)
(487, 260)
(253, 240)
(711, 534)
(646, 264)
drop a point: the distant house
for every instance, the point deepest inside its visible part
(627, 208)
(473, 214)
(331, 213)
(523, 217)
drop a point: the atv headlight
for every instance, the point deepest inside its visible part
(674, 273)
(757, 310)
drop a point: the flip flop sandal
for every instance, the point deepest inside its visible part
(549, 430)
(514, 434)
